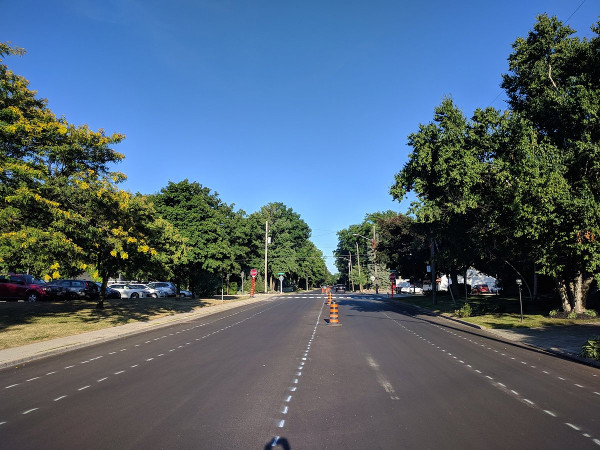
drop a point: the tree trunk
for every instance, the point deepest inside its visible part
(573, 293)
(535, 282)
(102, 294)
(454, 284)
(563, 292)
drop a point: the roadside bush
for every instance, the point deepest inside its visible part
(572, 315)
(591, 313)
(464, 311)
(233, 288)
(554, 313)
(591, 349)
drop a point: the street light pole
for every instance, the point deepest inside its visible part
(266, 240)
(359, 277)
(375, 260)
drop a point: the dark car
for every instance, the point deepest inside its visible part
(340, 288)
(23, 286)
(72, 289)
(110, 292)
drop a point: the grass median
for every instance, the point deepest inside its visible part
(24, 323)
(500, 312)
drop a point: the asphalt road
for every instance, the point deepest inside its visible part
(274, 374)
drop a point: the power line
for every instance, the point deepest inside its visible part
(573, 13)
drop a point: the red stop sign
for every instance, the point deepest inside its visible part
(392, 277)
(253, 273)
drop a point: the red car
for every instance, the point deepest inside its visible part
(26, 287)
(480, 289)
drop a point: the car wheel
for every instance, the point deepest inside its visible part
(134, 295)
(181, 295)
(33, 297)
(154, 295)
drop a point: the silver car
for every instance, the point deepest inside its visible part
(129, 291)
(166, 286)
(154, 293)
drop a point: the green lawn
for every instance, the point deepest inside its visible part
(24, 323)
(497, 311)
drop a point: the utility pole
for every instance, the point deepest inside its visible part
(359, 278)
(375, 260)
(350, 280)
(266, 241)
(433, 276)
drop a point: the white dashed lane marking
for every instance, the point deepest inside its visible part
(503, 386)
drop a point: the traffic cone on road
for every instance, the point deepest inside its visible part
(334, 315)
(329, 298)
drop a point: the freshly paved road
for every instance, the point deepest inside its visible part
(273, 374)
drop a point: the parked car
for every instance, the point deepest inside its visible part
(412, 289)
(110, 292)
(71, 289)
(168, 287)
(23, 286)
(154, 293)
(480, 289)
(128, 291)
(183, 293)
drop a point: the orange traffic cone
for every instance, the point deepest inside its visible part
(334, 315)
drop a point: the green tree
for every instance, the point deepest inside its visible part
(554, 84)
(43, 161)
(214, 233)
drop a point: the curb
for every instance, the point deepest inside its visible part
(54, 347)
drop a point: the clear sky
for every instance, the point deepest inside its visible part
(306, 102)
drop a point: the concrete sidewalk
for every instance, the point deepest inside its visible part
(562, 340)
(26, 353)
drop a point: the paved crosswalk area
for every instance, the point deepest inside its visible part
(337, 296)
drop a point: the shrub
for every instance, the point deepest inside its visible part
(591, 313)
(591, 349)
(233, 288)
(464, 311)
(554, 313)
(572, 315)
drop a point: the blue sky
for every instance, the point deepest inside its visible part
(308, 102)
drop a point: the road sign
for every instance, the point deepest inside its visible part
(392, 277)
(280, 273)
(253, 273)
(281, 278)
